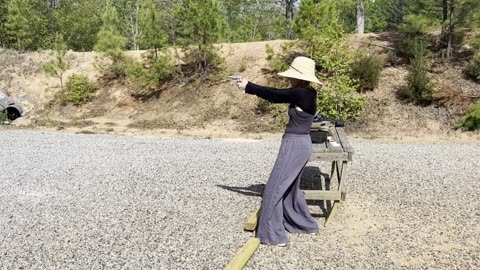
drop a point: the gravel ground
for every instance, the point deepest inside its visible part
(109, 202)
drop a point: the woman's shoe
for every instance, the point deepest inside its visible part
(281, 245)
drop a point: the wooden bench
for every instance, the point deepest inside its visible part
(339, 152)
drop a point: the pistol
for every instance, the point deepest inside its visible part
(235, 77)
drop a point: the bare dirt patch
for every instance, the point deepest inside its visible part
(217, 108)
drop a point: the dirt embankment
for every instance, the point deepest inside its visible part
(218, 109)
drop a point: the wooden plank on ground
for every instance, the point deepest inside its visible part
(252, 221)
(243, 255)
(322, 195)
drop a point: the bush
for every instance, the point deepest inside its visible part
(366, 69)
(202, 61)
(3, 117)
(340, 103)
(337, 99)
(473, 69)
(471, 120)
(475, 43)
(408, 47)
(419, 88)
(416, 25)
(279, 117)
(112, 69)
(151, 75)
(78, 89)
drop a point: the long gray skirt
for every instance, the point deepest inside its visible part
(283, 205)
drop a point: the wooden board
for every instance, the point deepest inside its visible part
(243, 255)
(328, 156)
(252, 221)
(347, 147)
(322, 195)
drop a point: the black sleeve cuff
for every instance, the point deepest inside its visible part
(249, 89)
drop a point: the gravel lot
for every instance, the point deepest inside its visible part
(110, 202)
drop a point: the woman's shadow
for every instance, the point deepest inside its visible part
(312, 179)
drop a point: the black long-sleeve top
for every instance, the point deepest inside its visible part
(305, 98)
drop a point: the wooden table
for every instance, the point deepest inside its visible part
(339, 152)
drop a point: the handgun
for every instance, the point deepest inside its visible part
(235, 77)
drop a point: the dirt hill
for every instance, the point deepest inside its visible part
(218, 109)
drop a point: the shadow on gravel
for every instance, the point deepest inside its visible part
(252, 190)
(312, 179)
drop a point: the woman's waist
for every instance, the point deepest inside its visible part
(288, 134)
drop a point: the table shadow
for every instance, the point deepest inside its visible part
(311, 180)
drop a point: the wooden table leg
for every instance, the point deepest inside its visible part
(342, 187)
(332, 213)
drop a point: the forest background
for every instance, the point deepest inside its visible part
(433, 32)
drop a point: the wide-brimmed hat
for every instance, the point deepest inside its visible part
(302, 68)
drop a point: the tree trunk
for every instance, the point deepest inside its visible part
(289, 4)
(133, 16)
(450, 29)
(360, 17)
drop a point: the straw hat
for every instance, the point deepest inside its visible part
(302, 68)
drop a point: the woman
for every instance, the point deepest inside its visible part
(283, 205)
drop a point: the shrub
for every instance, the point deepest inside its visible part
(277, 111)
(337, 99)
(366, 69)
(408, 47)
(471, 120)
(475, 42)
(269, 51)
(201, 62)
(419, 88)
(151, 75)
(417, 24)
(335, 103)
(3, 117)
(473, 69)
(78, 89)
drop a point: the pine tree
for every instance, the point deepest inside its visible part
(111, 43)
(17, 25)
(201, 24)
(58, 66)
(3, 19)
(79, 22)
(30, 25)
(152, 35)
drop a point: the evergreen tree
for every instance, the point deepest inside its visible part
(318, 18)
(3, 19)
(109, 39)
(201, 25)
(58, 66)
(152, 35)
(111, 43)
(17, 25)
(29, 25)
(79, 22)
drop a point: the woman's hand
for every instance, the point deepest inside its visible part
(242, 83)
